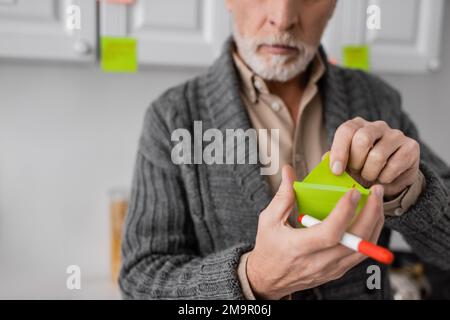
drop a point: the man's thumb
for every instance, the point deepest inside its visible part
(283, 201)
(287, 181)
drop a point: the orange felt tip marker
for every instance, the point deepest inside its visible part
(355, 243)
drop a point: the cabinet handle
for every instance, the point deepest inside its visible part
(434, 65)
(82, 47)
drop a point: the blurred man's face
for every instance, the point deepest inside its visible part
(278, 39)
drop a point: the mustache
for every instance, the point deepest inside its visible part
(285, 39)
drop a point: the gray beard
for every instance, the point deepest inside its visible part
(278, 67)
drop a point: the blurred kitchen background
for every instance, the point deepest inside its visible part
(69, 130)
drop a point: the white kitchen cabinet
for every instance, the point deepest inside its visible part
(38, 29)
(408, 42)
(192, 32)
(170, 32)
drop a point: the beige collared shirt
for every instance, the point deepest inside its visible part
(302, 141)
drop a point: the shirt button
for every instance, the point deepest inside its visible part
(275, 106)
(298, 157)
(398, 212)
(258, 84)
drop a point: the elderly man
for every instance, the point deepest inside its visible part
(224, 231)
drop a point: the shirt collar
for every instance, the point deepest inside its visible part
(254, 85)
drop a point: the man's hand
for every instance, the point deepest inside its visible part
(374, 153)
(286, 259)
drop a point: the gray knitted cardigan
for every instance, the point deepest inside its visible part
(188, 225)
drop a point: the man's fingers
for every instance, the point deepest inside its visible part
(402, 160)
(369, 216)
(377, 231)
(405, 180)
(363, 141)
(326, 250)
(284, 200)
(379, 155)
(340, 149)
(368, 226)
(328, 233)
(330, 256)
(342, 214)
(346, 263)
(349, 261)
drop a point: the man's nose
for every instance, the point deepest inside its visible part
(282, 14)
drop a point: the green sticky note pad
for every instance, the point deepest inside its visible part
(118, 54)
(357, 57)
(320, 191)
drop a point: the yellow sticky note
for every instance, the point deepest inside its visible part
(357, 57)
(118, 54)
(320, 191)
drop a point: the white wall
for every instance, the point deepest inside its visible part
(68, 134)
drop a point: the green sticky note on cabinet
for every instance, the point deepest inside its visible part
(356, 57)
(320, 191)
(118, 54)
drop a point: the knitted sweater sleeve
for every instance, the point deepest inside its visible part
(426, 225)
(160, 252)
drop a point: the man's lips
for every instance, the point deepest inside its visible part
(279, 49)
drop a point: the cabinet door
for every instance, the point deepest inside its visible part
(41, 29)
(409, 40)
(170, 32)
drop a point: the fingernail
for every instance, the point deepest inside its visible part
(356, 195)
(337, 168)
(379, 191)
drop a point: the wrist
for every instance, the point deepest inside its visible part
(258, 282)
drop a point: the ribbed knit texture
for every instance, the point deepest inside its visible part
(188, 225)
